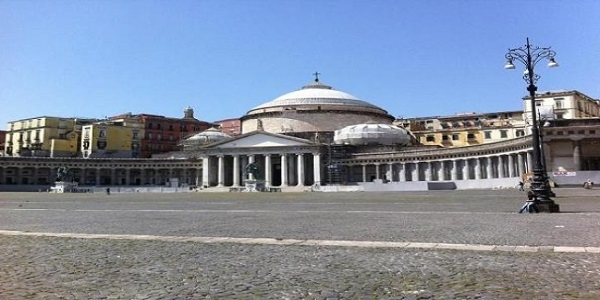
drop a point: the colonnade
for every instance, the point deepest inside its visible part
(275, 169)
(506, 165)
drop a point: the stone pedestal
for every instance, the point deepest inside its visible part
(255, 185)
(63, 187)
(547, 207)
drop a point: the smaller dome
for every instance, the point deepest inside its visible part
(208, 136)
(373, 134)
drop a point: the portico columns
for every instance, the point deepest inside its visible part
(377, 171)
(402, 172)
(454, 173)
(236, 170)
(488, 169)
(529, 166)
(250, 160)
(577, 155)
(317, 168)
(520, 164)
(511, 166)
(205, 173)
(284, 170)
(477, 168)
(442, 171)
(416, 172)
(300, 169)
(221, 171)
(267, 170)
(500, 166)
(465, 170)
(428, 171)
(364, 173)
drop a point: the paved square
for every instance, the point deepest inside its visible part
(412, 245)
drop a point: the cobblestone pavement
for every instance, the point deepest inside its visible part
(38, 267)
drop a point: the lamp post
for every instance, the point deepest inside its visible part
(529, 56)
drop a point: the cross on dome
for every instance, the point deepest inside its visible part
(316, 76)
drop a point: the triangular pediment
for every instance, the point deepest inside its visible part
(261, 139)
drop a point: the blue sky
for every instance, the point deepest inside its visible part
(221, 57)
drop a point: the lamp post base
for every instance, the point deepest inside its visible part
(537, 206)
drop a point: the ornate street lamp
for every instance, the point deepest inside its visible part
(529, 56)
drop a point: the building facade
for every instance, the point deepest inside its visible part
(44, 136)
(291, 141)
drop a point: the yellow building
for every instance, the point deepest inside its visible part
(44, 136)
(111, 139)
(465, 129)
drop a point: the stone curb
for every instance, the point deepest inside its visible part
(324, 243)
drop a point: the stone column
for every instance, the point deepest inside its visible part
(113, 176)
(488, 169)
(364, 172)
(454, 173)
(198, 176)
(511, 166)
(184, 176)
(317, 168)
(143, 176)
(221, 171)
(300, 169)
(465, 170)
(284, 170)
(416, 172)
(477, 168)
(402, 172)
(577, 155)
(236, 170)
(205, 171)
(127, 174)
(98, 171)
(442, 171)
(501, 166)
(251, 160)
(377, 171)
(390, 172)
(529, 167)
(520, 164)
(428, 170)
(268, 170)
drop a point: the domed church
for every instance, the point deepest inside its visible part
(320, 138)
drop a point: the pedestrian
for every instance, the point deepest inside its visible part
(108, 191)
(521, 184)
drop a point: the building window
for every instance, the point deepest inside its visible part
(471, 136)
(503, 134)
(158, 137)
(150, 125)
(520, 132)
(445, 138)
(560, 116)
(487, 135)
(170, 127)
(158, 126)
(558, 104)
(455, 137)
(539, 103)
(430, 138)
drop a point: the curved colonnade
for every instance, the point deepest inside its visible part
(285, 167)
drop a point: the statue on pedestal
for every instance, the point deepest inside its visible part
(63, 174)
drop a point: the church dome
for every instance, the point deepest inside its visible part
(364, 134)
(316, 95)
(208, 136)
(315, 107)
